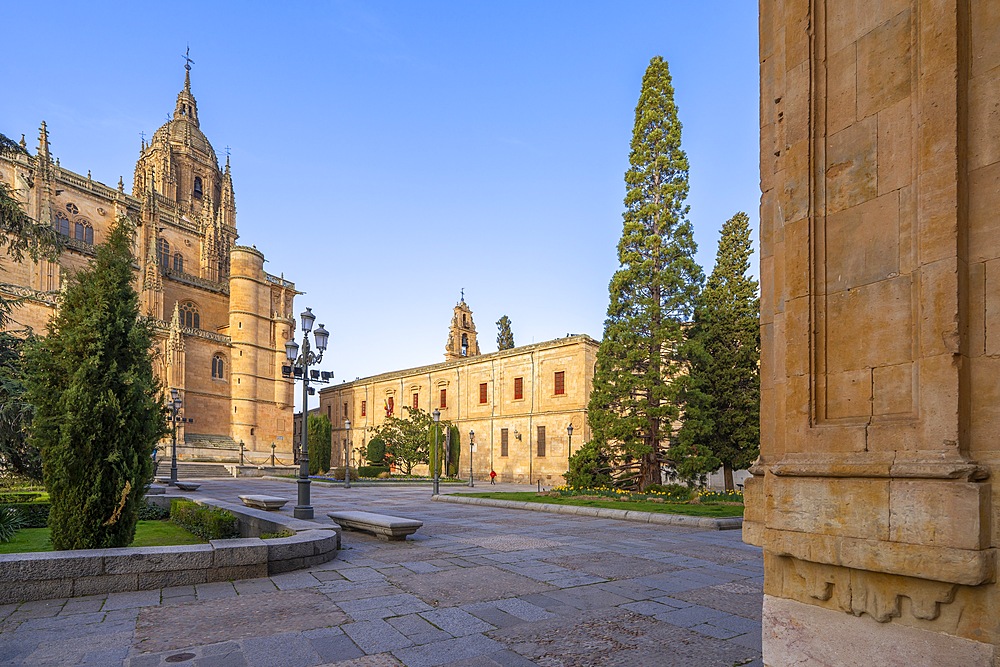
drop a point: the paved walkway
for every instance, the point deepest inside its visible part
(475, 587)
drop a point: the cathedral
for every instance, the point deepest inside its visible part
(220, 320)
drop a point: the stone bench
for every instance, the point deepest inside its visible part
(382, 526)
(187, 486)
(263, 502)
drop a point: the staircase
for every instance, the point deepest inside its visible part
(187, 470)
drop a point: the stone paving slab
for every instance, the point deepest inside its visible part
(476, 587)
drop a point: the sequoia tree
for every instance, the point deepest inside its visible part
(721, 393)
(98, 412)
(505, 337)
(651, 295)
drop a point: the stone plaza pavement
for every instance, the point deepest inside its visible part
(475, 587)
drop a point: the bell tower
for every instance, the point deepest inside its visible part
(462, 333)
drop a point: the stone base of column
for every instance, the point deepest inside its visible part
(802, 634)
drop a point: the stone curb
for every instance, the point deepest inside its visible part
(63, 574)
(723, 523)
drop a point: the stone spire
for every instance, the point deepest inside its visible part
(152, 284)
(227, 206)
(462, 333)
(187, 107)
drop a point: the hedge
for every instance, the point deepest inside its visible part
(370, 471)
(210, 523)
(32, 515)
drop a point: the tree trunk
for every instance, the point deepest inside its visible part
(649, 471)
(727, 473)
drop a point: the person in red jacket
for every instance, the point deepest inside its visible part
(493, 477)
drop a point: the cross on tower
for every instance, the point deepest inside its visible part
(143, 135)
(187, 58)
(227, 151)
(463, 294)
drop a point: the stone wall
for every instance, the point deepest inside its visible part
(880, 260)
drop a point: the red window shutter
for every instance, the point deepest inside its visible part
(482, 392)
(503, 442)
(416, 401)
(560, 382)
(518, 388)
(364, 408)
(392, 407)
(444, 398)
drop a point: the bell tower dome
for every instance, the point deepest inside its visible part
(462, 333)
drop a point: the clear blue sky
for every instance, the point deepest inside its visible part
(386, 155)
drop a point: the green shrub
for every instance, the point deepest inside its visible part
(589, 468)
(338, 473)
(370, 471)
(376, 451)
(319, 444)
(31, 515)
(10, 523)
(210, 523)
(150, 512)
(19, 497)
(454, 451)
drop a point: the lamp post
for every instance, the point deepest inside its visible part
(569, 432)
(175, 405)
(303, 510)
(437, 419)
(347, 455)
(472, 437)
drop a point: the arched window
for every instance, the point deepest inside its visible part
(218, 367)
(61, 224)
(179, 263)
(163, 252)
(82, 231)
(465, 345)
(189, 315)
(197, 187)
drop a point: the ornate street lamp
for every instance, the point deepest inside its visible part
(434, 459)
(299, 367)
(569, 432)
(175, 405)
(347, 455)
(472, 438)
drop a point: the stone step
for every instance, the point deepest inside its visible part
(190, 470)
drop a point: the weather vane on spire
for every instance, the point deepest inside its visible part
(187, 58)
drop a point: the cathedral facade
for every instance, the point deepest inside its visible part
(220, 320)
(519, 403)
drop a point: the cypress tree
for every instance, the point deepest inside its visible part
(651, 294)
(721, 393)
(505, 337)
(98, 410)
(320, 446)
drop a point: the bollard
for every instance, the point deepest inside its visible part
(539, 486)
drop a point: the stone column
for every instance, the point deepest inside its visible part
(880, 328)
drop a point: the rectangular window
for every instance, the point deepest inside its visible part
(416, 401)
(518, 389)
(328, 413)
(541, 441)
(390, 407)
(345, 410)
(560, 383)
(364, 408)
(444, 398)
(482, 393)
(503, 442)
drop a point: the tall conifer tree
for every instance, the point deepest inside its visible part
(505, 337)
(98, 413)
(651, 295)
(721, 393)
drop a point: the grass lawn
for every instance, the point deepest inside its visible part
(695, 509)
(147, 534)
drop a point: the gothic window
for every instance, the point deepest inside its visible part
(465, 345)
(82, 231)
(218, 367)
(61, 224)
(72, 208)
(189, 315)
(197, 187)
(518, 389)
(178, 263)
(482, 393)
(163, 252)
(504, 443)
(541, 441)
(560, 383)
